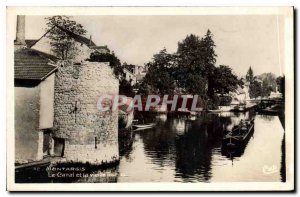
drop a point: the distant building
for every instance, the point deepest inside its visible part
(134, 73)
(100, 49)
(276, 94)
(129, 76)
(140, 72)
(239, 96)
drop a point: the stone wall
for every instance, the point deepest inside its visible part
(90, 135)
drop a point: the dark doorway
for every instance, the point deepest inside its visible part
(59, 146)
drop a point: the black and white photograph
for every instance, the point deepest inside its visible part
(161, 99)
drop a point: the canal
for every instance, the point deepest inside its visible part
(189, 149)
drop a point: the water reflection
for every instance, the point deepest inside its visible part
(182, 149)
(189, 149)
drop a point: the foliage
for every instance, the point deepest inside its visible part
(225, 100)
(249, 75)
(224, 80)
(125, 88)
(269, 83)
(63, 46)
(159, 79)
(197, 57)
(281, 84)
(191, 70)
(113, 60)
(255, 89)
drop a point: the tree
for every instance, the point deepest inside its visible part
(224, 80)
(281, 84)
(255, 89)
(249, 75)
(159, 78)
(63, 46)
(209, 60)
(125, 88)
(197, 57)
(269, 83)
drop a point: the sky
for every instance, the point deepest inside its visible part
(241, 41)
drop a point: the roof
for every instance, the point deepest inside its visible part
(30, 43)
(78, 38)
(239, 90)
(100, 47)
(128, 71)
(33, 64)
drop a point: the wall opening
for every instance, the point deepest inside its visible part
(95, 142)
(46, 144)
(59, 147)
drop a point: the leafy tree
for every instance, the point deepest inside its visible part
(225, 100)
(159, 77)
(197, 57)
(268, 83)
(266, 89)
(255, 89)
(63, 46)
(224, 80)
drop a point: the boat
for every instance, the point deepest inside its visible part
(272, 110)
(239, 108)
(214, 110)
(143, 126)
(220, 109)
(186, 112)
(239, 134)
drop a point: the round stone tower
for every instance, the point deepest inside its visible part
(82, 133)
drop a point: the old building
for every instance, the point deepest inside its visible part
(82, 132)
(85, 46)
(34, 98)
(129, 76)
(56, 106)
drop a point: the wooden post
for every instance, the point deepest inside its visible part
(40, 153)
(51, 145)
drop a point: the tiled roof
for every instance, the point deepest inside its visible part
(78, 38)
(33, 64)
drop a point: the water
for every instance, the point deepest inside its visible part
(188, 149)
(183, 149)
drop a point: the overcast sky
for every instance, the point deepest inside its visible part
(240, 41)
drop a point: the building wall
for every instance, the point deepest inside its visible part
(90, 135)
(82, 54)
(47, 103)
(27, 104)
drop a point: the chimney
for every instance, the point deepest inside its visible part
(20, 37)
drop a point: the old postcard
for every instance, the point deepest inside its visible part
(150, 99)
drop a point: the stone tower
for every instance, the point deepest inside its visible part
(82, 133)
